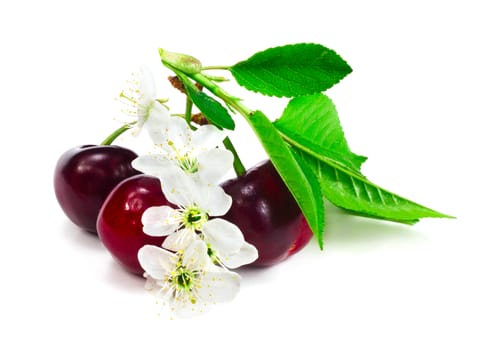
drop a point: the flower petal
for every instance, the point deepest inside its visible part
(152, 164)
(246, 255)
(147, 83)
(159, 221)
(179, 240)
(150, 283)
(178, 187)
(212, 199)
(164, 291)
(214, 164)
(136, 129)
(156, 122)
(224, 237)
(177, 136)
(195, 256)
(207, 137)
(219, 286)
(156, 262)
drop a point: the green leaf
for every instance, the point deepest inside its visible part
(291, 70)
(316, 192)
(299, 179)
(313, 122)
(311, 125)
(355, 193)
(211, 108)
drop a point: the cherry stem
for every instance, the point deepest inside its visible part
(189, 108)
(238, 166)
(232, 101)
(111, 138)
(216, 68)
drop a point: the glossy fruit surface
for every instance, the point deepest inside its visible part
(85, 175)
(267, 214)
(119, 222)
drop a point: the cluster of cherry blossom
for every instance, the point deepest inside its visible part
(191, 270)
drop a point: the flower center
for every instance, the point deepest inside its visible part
(144, 109)
(185, 283)
(184, 160)
(188, 164)
(194, 218)
(182, 279)
(138, 104)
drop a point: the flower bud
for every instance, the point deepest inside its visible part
(184, 63)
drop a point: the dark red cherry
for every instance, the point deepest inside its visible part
(303, 238)
(267, 214)
(119, 222)
(85, 175)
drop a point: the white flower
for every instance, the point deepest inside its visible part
(226, 244)
(142, 105)
(187, 281)
(196, 203)
(195, 152)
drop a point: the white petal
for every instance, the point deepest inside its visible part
(164, 291)
(159, 221)
(156, 262)
(212, 199)
(246, 255)
(219, 286)
(152, 164)
(224, 237)
(214, 164)
(150, 283)
(207, 137)
(159, 287)
(177, 135)
(156, 122)
(179, 240)
(147, 83)
(136, 130)
(195, 256)
(178, 187)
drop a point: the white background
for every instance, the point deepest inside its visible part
(419, 104)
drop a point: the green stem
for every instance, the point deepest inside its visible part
(233, 102)
(189, 108)
(111, 138)
(230, 100)
(239, 168)
(216, 68)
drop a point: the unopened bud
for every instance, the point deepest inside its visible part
(184, 63)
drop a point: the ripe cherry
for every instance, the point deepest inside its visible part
(263, 208)
(267, 214)
(85, 175)
(119, 222)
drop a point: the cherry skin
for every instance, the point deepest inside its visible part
(267, 214)
(305, 234)
(263, 208)
(119, 222)
(85, 175)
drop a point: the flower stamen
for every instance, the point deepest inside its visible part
(194, 218)
(183, 282)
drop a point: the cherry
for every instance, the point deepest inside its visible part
(263, 208)
(119, 222)
(267, 214)
(85, 175)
